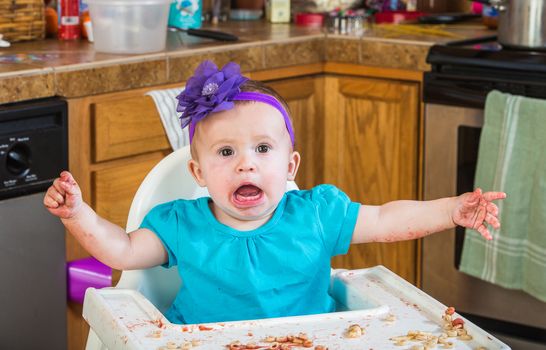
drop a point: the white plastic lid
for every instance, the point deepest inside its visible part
(129, 2)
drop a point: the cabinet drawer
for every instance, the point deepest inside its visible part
(114, 189)
(126, 127)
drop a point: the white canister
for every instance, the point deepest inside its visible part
(277, 11)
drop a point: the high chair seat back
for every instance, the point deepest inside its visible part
(170, 179)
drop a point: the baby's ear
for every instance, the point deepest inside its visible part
(196, 172)
(293, 165)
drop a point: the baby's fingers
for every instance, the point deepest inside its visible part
(68, 183)
(58, 187)
(485, 232)
(73, 194)
(67, 176)
(492, 220)
(493, 209)
(53, 198)
(50, 202)
(491, 196)
(70, 188)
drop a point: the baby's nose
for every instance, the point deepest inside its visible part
(245, 167)
(246, 164)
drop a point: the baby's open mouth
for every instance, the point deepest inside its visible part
(247, 194)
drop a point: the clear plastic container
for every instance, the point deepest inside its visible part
(129, 26)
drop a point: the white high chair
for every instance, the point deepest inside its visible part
(360, 294)
(170, 179)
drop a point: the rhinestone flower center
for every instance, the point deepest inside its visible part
(209, 89)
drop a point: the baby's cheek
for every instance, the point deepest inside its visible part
(276, 187)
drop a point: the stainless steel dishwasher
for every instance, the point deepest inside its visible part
(33, 150)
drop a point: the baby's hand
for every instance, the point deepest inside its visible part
(475, 210)
(64, 198)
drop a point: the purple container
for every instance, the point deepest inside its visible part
(85, 273)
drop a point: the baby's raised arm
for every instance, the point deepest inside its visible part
(106, 241)
(403, 220)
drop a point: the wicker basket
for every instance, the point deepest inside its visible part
(22, 19)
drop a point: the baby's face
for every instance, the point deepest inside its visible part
(244, 157)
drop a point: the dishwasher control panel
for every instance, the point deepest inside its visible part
(33, 145)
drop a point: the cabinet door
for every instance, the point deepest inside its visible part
(305, 100)
(372, 155)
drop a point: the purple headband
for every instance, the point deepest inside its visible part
(211, 90)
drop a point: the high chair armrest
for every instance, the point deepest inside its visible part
(121, 317)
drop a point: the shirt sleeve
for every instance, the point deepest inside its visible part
(163, 221)
(337, 216)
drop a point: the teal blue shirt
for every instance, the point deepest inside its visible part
(279, 269)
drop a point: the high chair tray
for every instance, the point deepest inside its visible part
(392, 314)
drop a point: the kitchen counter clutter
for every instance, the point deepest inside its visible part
(50, 67)
(376, 310)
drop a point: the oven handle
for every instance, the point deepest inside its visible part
(472, 41)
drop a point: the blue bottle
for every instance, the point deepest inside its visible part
(185, 13)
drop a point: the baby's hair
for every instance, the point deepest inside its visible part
(258, 86)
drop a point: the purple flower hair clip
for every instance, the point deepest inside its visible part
(209, 90)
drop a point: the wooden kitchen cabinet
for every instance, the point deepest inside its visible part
(372, 129)
(115, 140)
(361, 134)
(305, 98)
(125, 126)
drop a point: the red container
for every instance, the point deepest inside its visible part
(397, 16)
(309, 19)
(69, 19)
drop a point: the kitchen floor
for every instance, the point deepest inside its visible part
(519, 344)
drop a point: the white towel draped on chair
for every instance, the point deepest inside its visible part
(166, 102)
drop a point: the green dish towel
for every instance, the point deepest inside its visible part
(512, 158)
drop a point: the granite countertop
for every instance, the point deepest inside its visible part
(50, 67)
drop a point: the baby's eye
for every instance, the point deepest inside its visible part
(263, 149)
(226, 152)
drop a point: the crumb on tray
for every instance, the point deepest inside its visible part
(354, 331)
